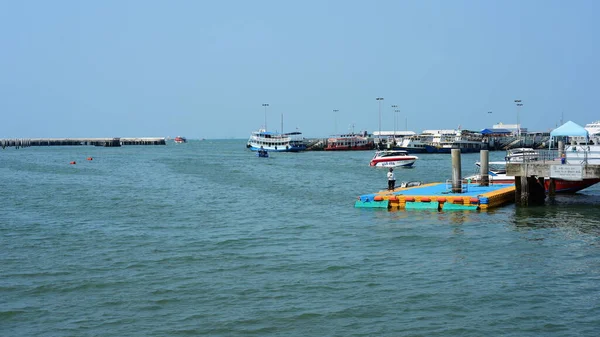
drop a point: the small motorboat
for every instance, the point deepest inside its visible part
(180, 140)
(262, 153)
(393, 158)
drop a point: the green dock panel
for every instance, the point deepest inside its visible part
(449, 206)
(372, 204)
(423, 205)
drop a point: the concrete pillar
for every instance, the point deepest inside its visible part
(524, 191)
(484, 161)
(518, 190)
(529, 191)
(552, 188)
(456, 171)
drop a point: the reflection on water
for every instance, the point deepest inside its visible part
(576, 212)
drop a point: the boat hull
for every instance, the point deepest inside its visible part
(410, 149)
(568, 186)
(561, 186)
(393, 163)
(437, 149)
(349, 148)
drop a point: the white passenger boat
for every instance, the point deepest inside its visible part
(274, 141)
(393, 158)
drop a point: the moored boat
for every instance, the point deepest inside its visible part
(414, 144)
(393, 158)
(521, 154)
(349, 142)
(443, 141)
(180, 140)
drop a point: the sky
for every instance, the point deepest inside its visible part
(204, 69)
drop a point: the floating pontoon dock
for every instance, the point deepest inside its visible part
(439, 196)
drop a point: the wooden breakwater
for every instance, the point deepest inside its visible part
(104, 142)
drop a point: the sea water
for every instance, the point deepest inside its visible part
(205, 238)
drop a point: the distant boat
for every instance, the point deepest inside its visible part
(262, 153)
(349, 142)
(277, 142)
(180, 140)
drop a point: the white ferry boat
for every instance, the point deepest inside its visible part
(593, 128)
(276, 142)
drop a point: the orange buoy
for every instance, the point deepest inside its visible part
(73, 163)
(441, 199)
(90, 158)
(378, 198)
(474, 200)
(410, 198)
(457, 200)
(393, 198)
(425, 199)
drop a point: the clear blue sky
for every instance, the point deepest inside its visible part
(203, 69)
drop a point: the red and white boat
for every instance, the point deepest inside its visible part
(393, 158)
(180, 140)
(349, 142)
(497, 175)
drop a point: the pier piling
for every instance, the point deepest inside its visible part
(484, 162)
(456, 173)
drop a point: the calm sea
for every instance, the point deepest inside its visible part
(205, 238)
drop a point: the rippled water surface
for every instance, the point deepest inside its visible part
(205, 238)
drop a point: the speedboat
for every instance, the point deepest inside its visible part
(180, 140)
(262, 153)
(393, 158)
(497, 175)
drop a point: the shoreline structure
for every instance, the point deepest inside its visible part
(104, 142)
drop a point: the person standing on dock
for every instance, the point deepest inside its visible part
(391, 179)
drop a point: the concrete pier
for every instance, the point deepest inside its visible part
(530, 189)
(484, 162)
(104, 142)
